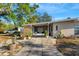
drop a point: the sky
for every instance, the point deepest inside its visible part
(60, 10)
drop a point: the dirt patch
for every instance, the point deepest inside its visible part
(8, 48)
(4, 38)
(68, 47)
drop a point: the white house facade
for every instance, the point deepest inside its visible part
(67, 27)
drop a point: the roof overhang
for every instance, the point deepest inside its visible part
(46, 23)
(38, 24)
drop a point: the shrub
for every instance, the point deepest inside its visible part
(28, 34)
(59, 35)
(46, 33)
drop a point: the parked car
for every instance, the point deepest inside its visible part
(5, 31)
(9, 31)
(12, 32)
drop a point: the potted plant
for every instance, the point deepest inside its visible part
(25, 36)
(29, 35)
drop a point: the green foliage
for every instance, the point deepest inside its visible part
(46, 33)
(60, 35)
(9, 26)
(33, 19)
(44, 18)
(4, 9)
(4, 26)
(28, 11)
(30, 34)
(22, 14)
(1, 26)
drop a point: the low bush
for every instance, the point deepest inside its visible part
(46, 33)
(59, 35)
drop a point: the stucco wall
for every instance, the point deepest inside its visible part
(76, 23)
(27, 29)
(66, 28)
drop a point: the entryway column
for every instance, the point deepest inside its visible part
(48, 29)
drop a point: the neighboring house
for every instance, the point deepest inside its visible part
(68, 27)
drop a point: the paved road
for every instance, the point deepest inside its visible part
(31, 48)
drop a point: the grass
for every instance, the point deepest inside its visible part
(68, 47)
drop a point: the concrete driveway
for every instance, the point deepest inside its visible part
(39, 47)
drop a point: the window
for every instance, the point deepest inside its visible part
(35, 29)
(56, 27)
(40, 30)
(76, 30)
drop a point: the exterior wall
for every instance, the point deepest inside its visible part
(76, 28)
(27, 29)
(76, 23)
(66, 28)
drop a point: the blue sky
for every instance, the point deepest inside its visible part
(60, 10)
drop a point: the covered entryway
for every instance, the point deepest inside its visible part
(39, 29)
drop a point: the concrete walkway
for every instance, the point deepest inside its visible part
(39, 47)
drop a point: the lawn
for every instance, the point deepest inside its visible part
(68, 47)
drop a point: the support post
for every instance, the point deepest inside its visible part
(48, 29)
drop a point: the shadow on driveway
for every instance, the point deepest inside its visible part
(31, 44)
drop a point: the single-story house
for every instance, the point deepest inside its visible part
(68, 27)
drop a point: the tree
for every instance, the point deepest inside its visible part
(24, 13)
(2, 26)
(29, 11)
(44, 18)
(4, 9)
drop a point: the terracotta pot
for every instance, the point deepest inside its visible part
(24, 38)
(29, 37)
(47, 36)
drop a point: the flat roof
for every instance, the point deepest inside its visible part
(44, 23)
(71, 19)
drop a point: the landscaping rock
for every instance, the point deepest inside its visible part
(6, 54)
(15, 48)
(9, 41)
(1, 44)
